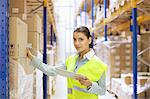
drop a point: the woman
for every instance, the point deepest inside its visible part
(86, 63)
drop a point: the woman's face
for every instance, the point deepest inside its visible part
(81, 42)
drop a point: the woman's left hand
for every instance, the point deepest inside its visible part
(84, 81)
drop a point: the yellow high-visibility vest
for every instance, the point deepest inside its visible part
(92, 69)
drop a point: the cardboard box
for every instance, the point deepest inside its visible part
(126, 69)
(51, 85)
(25, 62)
(21, 84)
(18, 6)
(116, 85)
(41, 46)
(51, 57)
(128, 95)
(18, 38)
(143, 68)
(126, 78)
(147, 94)
(126, 63)
(143, 80)
(21, 16)
(125, 91)
(38, 84)
(145, 43)
(34, 39)
(34, 23)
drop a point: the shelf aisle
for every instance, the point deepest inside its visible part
(60, 88)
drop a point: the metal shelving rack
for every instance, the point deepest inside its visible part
(4, 46)
(105, 17)
(130, 8)
(85, 10)
(4, 50)
(135, 20)
(45, 47)
(92, 15)
(127, 7)
(134, 50)
(48, 16)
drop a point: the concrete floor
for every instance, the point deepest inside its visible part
(61, 90)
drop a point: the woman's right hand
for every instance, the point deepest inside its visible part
(83, 80)
(29, 54)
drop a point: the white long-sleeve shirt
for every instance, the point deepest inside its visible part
(98, 87)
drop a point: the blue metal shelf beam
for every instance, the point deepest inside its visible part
(75, 20)
(134, 49)
(105, 16)
(44, 49)
(51, 35)
(81, 16)
(85, 10)
(4, 49)
(92, 22)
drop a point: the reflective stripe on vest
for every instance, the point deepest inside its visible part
(69, 90)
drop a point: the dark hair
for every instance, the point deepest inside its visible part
(86, 32)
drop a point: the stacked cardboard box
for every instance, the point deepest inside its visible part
(118, 58)
(117, 54)
(38, 85)
(126, 78)
(142, 82)
(35, 35)
(18, 42)
(18, 38)
(34, 23)
(51, 84)
(21, 83)
(21, 79)
(51, 62)
(112, 58)
(99, 50)
(51, 57)
(41, 44)
(124, 91)
(116, 85)
(34, 39)
(126, 58)
(18, 6)
(18, 9)
(145, 43)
